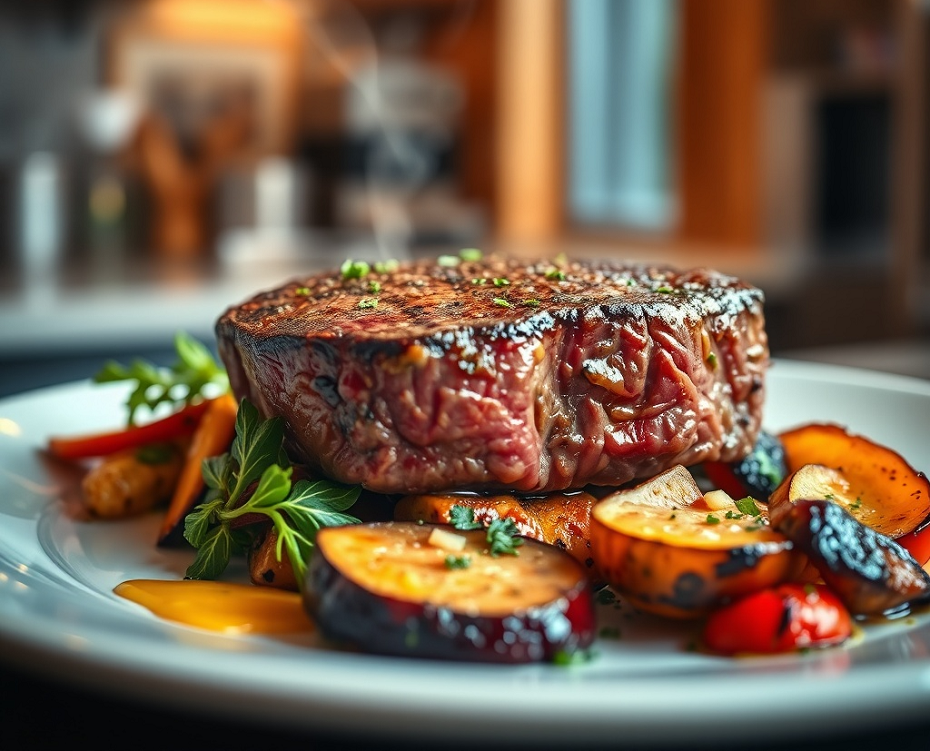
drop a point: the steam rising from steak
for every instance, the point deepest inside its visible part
(504, 375)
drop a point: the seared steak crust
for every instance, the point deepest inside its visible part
(501, 374)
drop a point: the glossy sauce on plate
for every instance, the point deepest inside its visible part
(220, 606)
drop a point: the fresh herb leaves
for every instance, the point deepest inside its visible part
(462, 517)
(748, 506)
(503, 537)
(194, 372)
(296, 510)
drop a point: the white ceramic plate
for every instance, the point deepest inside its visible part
(58, 614)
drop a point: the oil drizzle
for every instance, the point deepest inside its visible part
(220, 606)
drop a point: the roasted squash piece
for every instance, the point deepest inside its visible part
(560, 519)
(662, 547)
(878, 486)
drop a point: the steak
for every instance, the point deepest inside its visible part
(503, 374)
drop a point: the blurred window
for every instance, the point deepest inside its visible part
(620, 61)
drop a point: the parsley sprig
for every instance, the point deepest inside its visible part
(194, 372)
(502, 536)
(296, 510)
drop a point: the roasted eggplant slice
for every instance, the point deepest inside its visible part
(869, 571)
(669, 552)
(399, 588)
(756, 475)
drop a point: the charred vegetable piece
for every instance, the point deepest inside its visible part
(133, 481)
(663, 547)
(385, 587)
(756, 475)
(881, 489)
(560, 519)
(869, 572)
(212, 438)
(265, 569)
(917, 543)
(785, 618)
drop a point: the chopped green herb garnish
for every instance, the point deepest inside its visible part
(665, 289)
(733, 515)
(532, 303)
(368, 302)
(387, 267)
(302, 291)
(501, 282)
(482, 280)
(454, 562)
(555, 274)
(630, 282)
(470, 254)
(191, 376)
(502, 302)
(565, 658)
(296, 511)
(829, 497)
(503, 537)
(374, 287)
(711, 519)
(856, 504)
(354, 269)
(748, 506)
(712, 360)
(463, 517)
(448, 261)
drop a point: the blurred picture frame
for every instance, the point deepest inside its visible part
(188, 59)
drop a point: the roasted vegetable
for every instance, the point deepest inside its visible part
(667, 551)
(917, 543)
(397, 588)
(265, 568)
(756, 475)
(212, 438)
(785, 618)
(176, 425)
(560, 519)
(869, 571)
(132, 481)
(878, 486)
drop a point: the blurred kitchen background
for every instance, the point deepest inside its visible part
(162, 159)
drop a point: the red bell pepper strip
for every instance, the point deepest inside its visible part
(177, 424)
(917, 543)
(785, 618)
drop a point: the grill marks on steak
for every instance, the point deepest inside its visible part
(612, 373)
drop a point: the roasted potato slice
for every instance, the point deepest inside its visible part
(132, 481)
